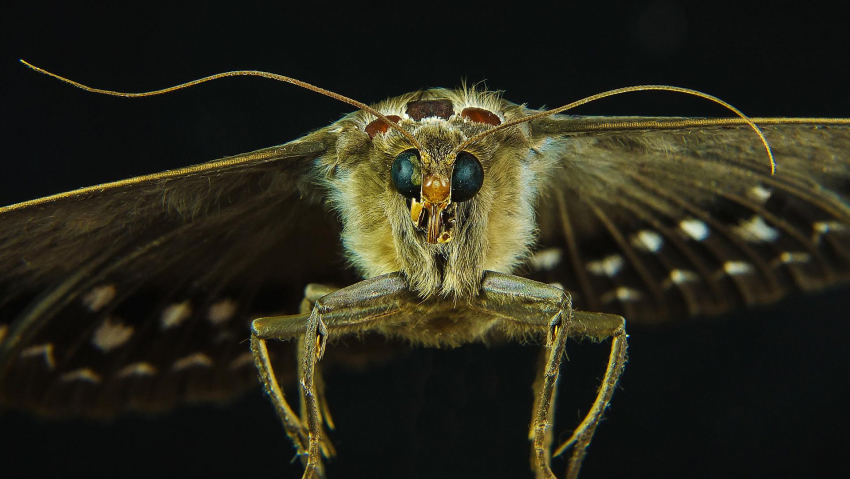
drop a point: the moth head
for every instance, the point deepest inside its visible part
(440, 213)
(434, 176)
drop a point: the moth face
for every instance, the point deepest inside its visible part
(438, 214)
(434, 189)
(436, 180)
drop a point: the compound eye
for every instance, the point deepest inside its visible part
(406, 173)
(467, 177)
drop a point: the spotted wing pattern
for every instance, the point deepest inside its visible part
(671, 223)
(138, 295)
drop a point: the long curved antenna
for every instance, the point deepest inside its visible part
(620, 91)
(245, 73)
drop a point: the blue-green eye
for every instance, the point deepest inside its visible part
(407, 174)
(467, 177)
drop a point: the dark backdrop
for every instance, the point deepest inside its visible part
(756, 394)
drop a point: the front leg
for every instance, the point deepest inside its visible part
(516, 305)
(312, 294)
(360, 307)
(293, 425)
(526, 306)
(596, 327)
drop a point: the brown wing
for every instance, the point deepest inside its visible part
(138, 294)
(669, 218)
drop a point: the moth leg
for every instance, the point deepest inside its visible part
(528, 306)
(295, 429)
(357, 308)
(538, 387)
(596, 327)
(541, 422)
(291, 424)
(531, 307)
(312, 293)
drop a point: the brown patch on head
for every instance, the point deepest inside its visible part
(480, 115)
(428, 108)
(436, 188)
(380, 126)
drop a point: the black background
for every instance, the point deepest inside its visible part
(756, 394)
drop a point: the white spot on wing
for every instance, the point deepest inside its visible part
(607, 266)
(99, 297)
(140, 368)
(759, 193)
(82, 374)
(196, 359)
(647, 240)
(221, 311)
(680, 276)
(735, 268)
(792, 257)
(44, 350)
(241, 361)
(622, 294)
(546, 259)
(821, 228)
(110, 335)
(174, 314)
(694, 228)
(756, 230)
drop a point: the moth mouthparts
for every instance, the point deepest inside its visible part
(436, 193)
(439, 218)
(417, 213)
(447, 218)
(435, 220)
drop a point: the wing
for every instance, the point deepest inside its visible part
(658, 218)
(139, 294)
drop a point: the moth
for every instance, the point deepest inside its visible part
(466, 217)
